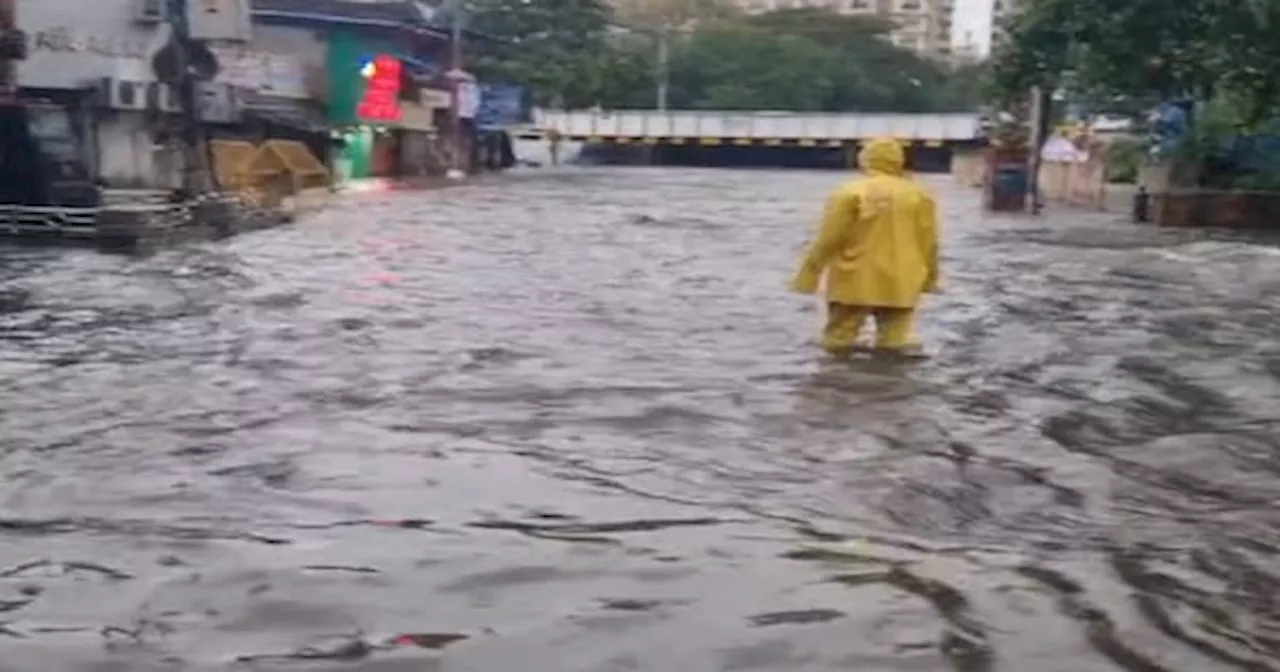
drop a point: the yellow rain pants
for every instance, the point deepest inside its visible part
(895, 328)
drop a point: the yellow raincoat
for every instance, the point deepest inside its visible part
(878, 247)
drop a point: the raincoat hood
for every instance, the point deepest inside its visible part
(882, 156)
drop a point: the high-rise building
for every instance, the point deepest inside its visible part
(965, 48)
(1001, 12)
(923, 26)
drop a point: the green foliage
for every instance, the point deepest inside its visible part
(1037, 51)
(740, 67)
(1124, 158)
(1216, 124)
(812, 60)
(805, 60)
(1137, 51)
(557, 48)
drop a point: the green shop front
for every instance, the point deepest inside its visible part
(366, 78)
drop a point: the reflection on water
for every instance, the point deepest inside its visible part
(573, 417)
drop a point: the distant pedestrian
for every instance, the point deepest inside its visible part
(878, 248)
(554, 139)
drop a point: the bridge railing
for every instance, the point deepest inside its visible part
(691, 124)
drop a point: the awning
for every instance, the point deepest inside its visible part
(297, 114)
(418, 68)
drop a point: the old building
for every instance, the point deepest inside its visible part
(378, 69)
(368, 86)
(923, 26)
(94, 102)
(86, 81)
(1002, 12)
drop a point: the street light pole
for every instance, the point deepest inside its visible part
(664, 67)
(456, 170)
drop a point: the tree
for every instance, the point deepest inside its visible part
(737, 67)
(808, 60)
(556, 48)
(1251, 37)
(1146, 50)
(629, 72)
(573, 53)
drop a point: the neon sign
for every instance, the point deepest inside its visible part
(381, 101)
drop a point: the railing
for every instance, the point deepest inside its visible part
(31, 220)
(756, 126)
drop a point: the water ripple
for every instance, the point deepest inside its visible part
(573, 417)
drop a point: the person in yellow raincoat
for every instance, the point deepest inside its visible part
(878, 247)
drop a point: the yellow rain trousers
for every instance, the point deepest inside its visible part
(878, 250)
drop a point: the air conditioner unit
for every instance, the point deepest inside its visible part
(118, 94)
(150, 11)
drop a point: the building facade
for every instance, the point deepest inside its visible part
(923, 26)
(361, 83)
(1002, 11)
(383, 116)
(85, 56)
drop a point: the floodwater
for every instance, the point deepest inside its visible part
(571, 421)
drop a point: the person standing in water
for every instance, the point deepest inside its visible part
(878, 248)
(553, 145)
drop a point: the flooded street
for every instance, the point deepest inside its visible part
(571, 421)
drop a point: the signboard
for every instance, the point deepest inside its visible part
(468, 99)
(381, 99)
(261, 72)
(415, 117)
(364, 77)
(436, 99)
(501, 106)
(71, 45)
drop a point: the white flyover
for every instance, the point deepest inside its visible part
(712, 127)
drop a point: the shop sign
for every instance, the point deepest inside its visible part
(468, 99)
(364, 78)
(64, 40)
(261, 72)
(437, 99)
(501, 105)
(63, 57)
(416, 117)
(381, 99)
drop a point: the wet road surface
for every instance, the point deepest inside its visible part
(571, 421)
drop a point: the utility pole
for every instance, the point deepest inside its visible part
(664, 66)
(197, 178)
(13, 49)
(456, 75)
(1038, 112)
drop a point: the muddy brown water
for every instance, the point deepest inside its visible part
(571, 421)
